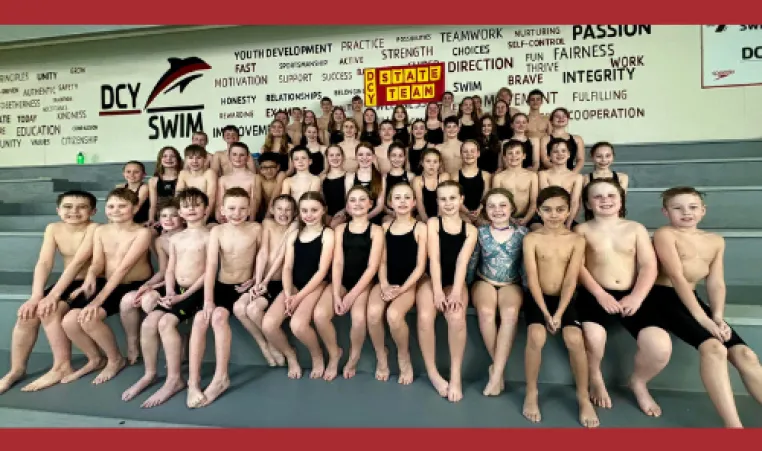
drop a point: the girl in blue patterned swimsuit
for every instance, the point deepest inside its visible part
(496, 264)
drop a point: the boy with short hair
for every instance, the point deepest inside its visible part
(232, 249)
(450, 148)
(522, 183)
(302, 180)
(200, 138)
(221, 159)
(326, 106)
(553, 256)
(269, 166)
(239, 177)
(196, 176)
(121, 263)
(179, 299)
(688, 255)
(72, 237)
(560, 175)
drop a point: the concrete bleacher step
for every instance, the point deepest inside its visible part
(685, 150)
(34, 189)
(100, 173)
(710, 172)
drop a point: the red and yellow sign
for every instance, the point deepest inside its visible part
(398, 85)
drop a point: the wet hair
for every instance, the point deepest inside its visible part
(268, 156)
(376, 179)
(78, 193)
(160, 167)
(311, 195)
(599, 181)
(300, 149)
(136, 163)
(290, 200)
(470, 141)
(451, 183)
(192, 196)
(231, 128)
(431, 151)
(497, 192)
(561, 110)
(450, 120)
(326, 99)
(236, 191)
(241, 145)
(554, 142)
(535, 92)
(671, 193)
(356, 98)
(511, 143)
(167, 202)
(600, 145)
(552, 192)
(396, 145)
(193, 150)
(384, 122)
(123, 194)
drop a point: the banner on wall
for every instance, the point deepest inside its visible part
(731, 56)
(398, 85)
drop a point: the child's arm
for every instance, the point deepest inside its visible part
(715, 283)
(261, 261)
(250, 165)
(181, 184)
(143, 193)
(325, 263)
(464, 256)
(576, 197)
(216, 165)
(288, 265)
(137, 250)
(374, 261)
(210, 273)
(542, 180)
(579, 162)
(380, 202)
(530, 267)
(315, 184)
(624, 180)
(572, 275)
(435, 266)
(648, 268)
(421, 233)
(532, 207)
(158, 279)
(280, 256)
(255, 197)
(337, 268)
(218, 203)
(543, 152)
(153, 196)
(536, 159)
(44, 264)
(210, 178)
(82, 256)
(383, 279)
(418, 188)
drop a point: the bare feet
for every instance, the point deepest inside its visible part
(294, 370)
(440, 384)
(138, 387)
(645, 401)
(495, 384)
(587, 416)
(318, 367)
(406, 371)
(280, 360)
(598, 393)
(133, 355)
(268, 356)
(215, 389)
(52, 377)
(90, 366)
(10, 379)
(111, 370)
(333, 366)
(454, 390)
(195, 397)
(531, 410)
(168, 390)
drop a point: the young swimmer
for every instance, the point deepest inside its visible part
(231, 250)
(268, 181)
(349, 145)
(221, 159)
(302, 180)
(497, 262)
(688, 255)
(620, 269)
(474, 182)
(553, 256)
(196, 176)
(179, 299)
(386, 131)
(521, 183)
(450, 243)
(560, 175)
(397, 173)
(72, 238)
(403, 262)
(602, 154)
(309, 251)
(559, 120)
(164, 180)
(121, 263)
(129, 309)
(267, 282)
(450, 148)
(418, 143)
(134, 173)
(334, 186)
(370, 178)
(425, 185)
(239, 177)
(316, 149)
(356, 256)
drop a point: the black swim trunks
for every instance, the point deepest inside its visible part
(74, 285)
(112, 302)
(186, 308)
(274, 288)
(590, 311)
(533, 314)
(225, 295)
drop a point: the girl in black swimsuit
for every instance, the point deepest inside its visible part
(308, 257)
(276, 142)
(473, 181)
(370, 177)
(402, 266)
(519, 123)
(334, 186)
(559, 120)
(602, 154)
(309, 119)
(134, 172)
(356, 257)
(401, 122)
(369, 132)
(333, 132)
(469, 121)
(162, 184)
(502, 127)
(397, 173)
(489, 146)
(425, 185)
(317, 150)
(434, 130)
(451, 241)
(418, 144)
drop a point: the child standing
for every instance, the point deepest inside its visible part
(334, 186)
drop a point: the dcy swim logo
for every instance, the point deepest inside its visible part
(177, 120)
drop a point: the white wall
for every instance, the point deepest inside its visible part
(14, 33)
(665, 90)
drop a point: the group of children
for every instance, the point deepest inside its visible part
(370, 235)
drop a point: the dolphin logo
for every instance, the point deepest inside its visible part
(177, 68)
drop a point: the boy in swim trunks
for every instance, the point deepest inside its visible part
(179, 299)
(240, 177)
(72, 237)
(553, 256)
(232, 248)
(121, 263)
(620, 269)
(686, 256)
(560, 175)
(195, 175)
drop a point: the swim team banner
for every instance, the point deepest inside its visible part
(395, 85)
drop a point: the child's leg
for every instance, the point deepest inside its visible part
(221, 380)
(240, 310)
(595, 344)
(104, 337)
(59, 345)
(271, 327)
(357, 332)
(82, 340)
(396, 315)
(149, 342)
(654, 350)
(173, 351)
(302, 329)
(714, 373)
(22, 342)
(255, 311)
(129, 313)
(484, 297)
(747, 363)
(575, 343)
(536, 337)
(196, 356)
(456, 337)
(376, 310)
(509, 300)
(323, 316)
(427, 315)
